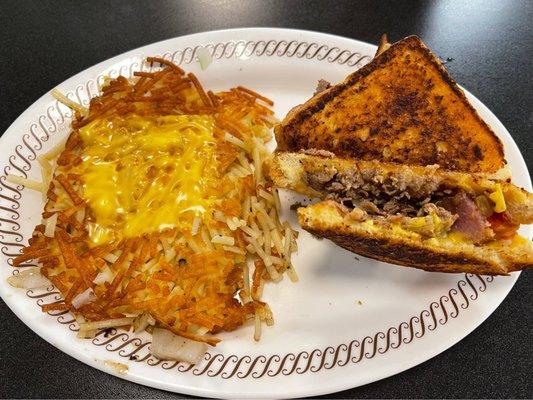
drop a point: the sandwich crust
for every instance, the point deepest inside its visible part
(402, 107)
(325, 220)
(407, 254)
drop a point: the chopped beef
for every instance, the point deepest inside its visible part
(321, 86)
(318, 180)
(370, 207)
(350, 179)
(394, 185)
(470, 221)
(394, 206)
(335, 187)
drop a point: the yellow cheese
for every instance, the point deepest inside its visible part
(457, 238)
(142, 174)
(498, 199)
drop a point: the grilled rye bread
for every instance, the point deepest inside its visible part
(401, 107)
(418, 216)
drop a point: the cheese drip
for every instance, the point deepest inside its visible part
(145, 174)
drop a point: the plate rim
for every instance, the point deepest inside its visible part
(199, 390)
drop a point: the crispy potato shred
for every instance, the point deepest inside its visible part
(193, 282)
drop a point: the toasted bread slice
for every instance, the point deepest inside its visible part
(390, 244)
(401, 107)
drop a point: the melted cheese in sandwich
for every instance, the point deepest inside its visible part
(142, 175)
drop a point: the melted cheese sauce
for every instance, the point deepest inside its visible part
(142, 175)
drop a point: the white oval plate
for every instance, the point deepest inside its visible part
(348, 322)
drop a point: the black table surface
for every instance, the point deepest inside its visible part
(488, 44)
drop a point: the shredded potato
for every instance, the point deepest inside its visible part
(196, 276)
(69, 103)
(30, 184)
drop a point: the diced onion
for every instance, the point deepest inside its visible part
(85, 297)
(204, 57)
(168, 346)
(30, 278)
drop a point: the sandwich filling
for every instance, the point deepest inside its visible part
(417, 203)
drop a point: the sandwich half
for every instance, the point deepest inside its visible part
(401, 107)
(417, 216)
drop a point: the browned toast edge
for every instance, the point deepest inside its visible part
(300, 113)
(406, 254)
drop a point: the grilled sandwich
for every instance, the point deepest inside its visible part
(402, 107)
(418, 216)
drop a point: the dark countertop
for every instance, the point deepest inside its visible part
(489, 45)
